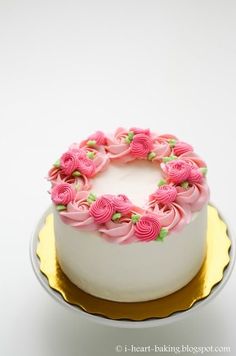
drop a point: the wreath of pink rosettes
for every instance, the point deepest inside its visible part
(182, 191)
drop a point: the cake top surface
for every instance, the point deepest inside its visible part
(130, 186)
(136, 180)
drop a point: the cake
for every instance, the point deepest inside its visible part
(130, 214)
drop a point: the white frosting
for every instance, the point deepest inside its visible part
(137, 179)
(136, 271)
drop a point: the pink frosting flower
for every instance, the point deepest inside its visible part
(99, 137)
(102, 209)
(174, 216)
(62, 193)
(101, 161)
(75, 147)
(182, 147)
(161, 149)
(196, 196)
(68, 162)
(77, 213)
(178, 171)
(120, 232)
(79, 152)
(147, 228)
(195, 176)
(140, 146)
(165, 194)
(117, 147)
(192, 159)
(122, 204)
(161, 146)
(55, 176)
(166, 137)
(86, 166)
(137, 130)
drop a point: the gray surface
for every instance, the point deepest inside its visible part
(67, 68)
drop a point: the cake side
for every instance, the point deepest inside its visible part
(131, 272)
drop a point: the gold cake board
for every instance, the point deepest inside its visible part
(200, 287)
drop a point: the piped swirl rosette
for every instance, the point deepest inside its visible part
(182, 191)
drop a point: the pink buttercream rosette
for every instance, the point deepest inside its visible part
(127, 145)
(77, 165)
(182, 192)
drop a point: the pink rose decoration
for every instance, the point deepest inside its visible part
(122, 204)
(166, 194)
(78, 152)
(195, 176)
(161, 150)
(140, 146)
(192, 159)
(170, 206)
(196, 196)
(86, 166)
(55, 176)
(75, 147)
(121, 232)
(161, 146)
(68, 162)
(181, 148)
(178, 171)
(102, 209)
(166, 138)
(77, 213)
(174, 216)
(117, 147)
(53, 173)
(99, 137)
(62, 194)
(147, 228)
(101, 161)
(137, 130)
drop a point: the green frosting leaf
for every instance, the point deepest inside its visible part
(203, 170)
(135, 218)
(169, 158)
(57, 163)
(91, 198)
(76, 174)
(91, 143)
(172, 142)
(161, 182)
(116, 216)
(184, 185)
(61, 207)
(90, 155)
(151, 155)
(163, 233)
(129, 137)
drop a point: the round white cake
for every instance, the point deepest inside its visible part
(116, 240)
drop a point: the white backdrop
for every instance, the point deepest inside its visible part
(70, 67)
